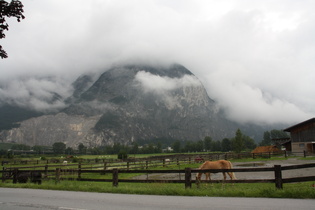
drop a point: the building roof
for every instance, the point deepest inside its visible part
(312, 120)
(281, 140)
(262, 149)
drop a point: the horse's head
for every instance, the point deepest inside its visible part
(198, 176)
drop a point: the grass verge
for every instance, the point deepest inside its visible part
(293, 190)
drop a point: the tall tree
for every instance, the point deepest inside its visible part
(116, 148)
(216, 146)
(158, 148)
(38, 149)
(207, 143)
(278, 134)
(238, 142)
(82, 149)
(12, 9)
(69, 151)
(189, 147)
(20, 147)
(267, 139)
(273, 134)
(59, 148)
(134, 148)
(249, 143)
(176, 146)
(225, 145)
(199, 146)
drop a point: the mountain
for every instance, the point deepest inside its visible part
(126, 104)
(10, 115)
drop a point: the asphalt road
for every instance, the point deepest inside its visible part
(27, 199)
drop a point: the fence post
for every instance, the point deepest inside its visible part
(115, 177)
(304, 153)
(163, 162)
(3, 174)
(146, 164)
(187, 178)
(79, 171)
(57, 178)
(285, 153)
(278, 177)
(15, 175)
(253, 155)
(127, 164)
(46, 171)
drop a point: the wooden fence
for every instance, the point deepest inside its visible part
(60, 174)
(174, 157)
(132, 163)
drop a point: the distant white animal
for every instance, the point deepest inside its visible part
(65, 163)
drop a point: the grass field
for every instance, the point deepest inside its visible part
(294, 190)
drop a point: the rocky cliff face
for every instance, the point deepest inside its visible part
(126, 104)
(48, 129)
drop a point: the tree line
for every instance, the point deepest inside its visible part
(238, 143)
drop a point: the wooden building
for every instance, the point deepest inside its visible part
(303, 136)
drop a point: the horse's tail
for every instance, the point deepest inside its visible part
(231, 166)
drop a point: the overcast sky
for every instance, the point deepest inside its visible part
(256, 58)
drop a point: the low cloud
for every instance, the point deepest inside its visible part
(163, 84)
(40, 94)
(255, 58)
(245, 104)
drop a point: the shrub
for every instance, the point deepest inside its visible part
(122, 155)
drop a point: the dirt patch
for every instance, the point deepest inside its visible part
(271, 163)
(247, 175)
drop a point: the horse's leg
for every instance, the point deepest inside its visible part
(224, 178)
(231, 174)
(209, 178)
(198, 179)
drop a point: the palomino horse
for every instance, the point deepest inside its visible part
(219, 164)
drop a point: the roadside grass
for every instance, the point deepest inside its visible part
(307, 158)
(268, 190)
